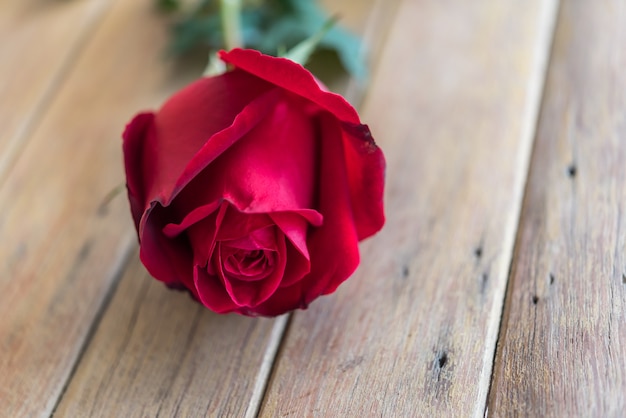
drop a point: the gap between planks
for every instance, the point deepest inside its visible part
(267, 365)
(534, 103)
(127, 249)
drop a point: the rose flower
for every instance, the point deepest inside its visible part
(251, 189)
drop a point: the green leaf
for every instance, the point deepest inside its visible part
(347, 45)
(298, 20)
(349, 49)
(195, 32)
(269, 26)
(302, 51)
(168, 5)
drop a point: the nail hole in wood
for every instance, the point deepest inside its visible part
(442, 359)
(624, 278)
(535, 299)
(478, 252)
(405, 271)
(484, 278)
(551, 278)
(84, 251)
(571, 170)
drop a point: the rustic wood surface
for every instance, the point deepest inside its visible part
(484, 247)
(39, 44)
(562, 349)
(60, 253)
(157, 354)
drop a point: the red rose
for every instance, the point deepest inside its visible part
(251, 189)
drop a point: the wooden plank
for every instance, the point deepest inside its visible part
(59, 253)
(413, 333)
(40, 41)
(157, 353)
(562, 348)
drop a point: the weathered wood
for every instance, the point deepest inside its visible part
(562, 348)
(413, 333)
(40, 42)
(59, 253)
(158, 353)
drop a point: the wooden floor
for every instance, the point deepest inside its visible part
(497, 287)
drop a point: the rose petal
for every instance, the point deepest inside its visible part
(187, 136)
(260, 239)
(297, 266)
(134, 138)
(365, 164)
(295, 228)
(172, 230)
(203, 235)
(166, 260)
(333, 247)
(251, 294)
(248, 266)
(250, 117)
(365, 161)
(239, 225)
(211, 292)
(292, 77)
(283, 300)
(271, 169)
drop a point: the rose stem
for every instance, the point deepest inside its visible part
(230, 11)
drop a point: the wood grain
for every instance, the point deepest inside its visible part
(158, 353)
(562, 349)
(454, 105)
(40, 41)
(59, 252)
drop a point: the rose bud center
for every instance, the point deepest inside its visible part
(249, 265)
